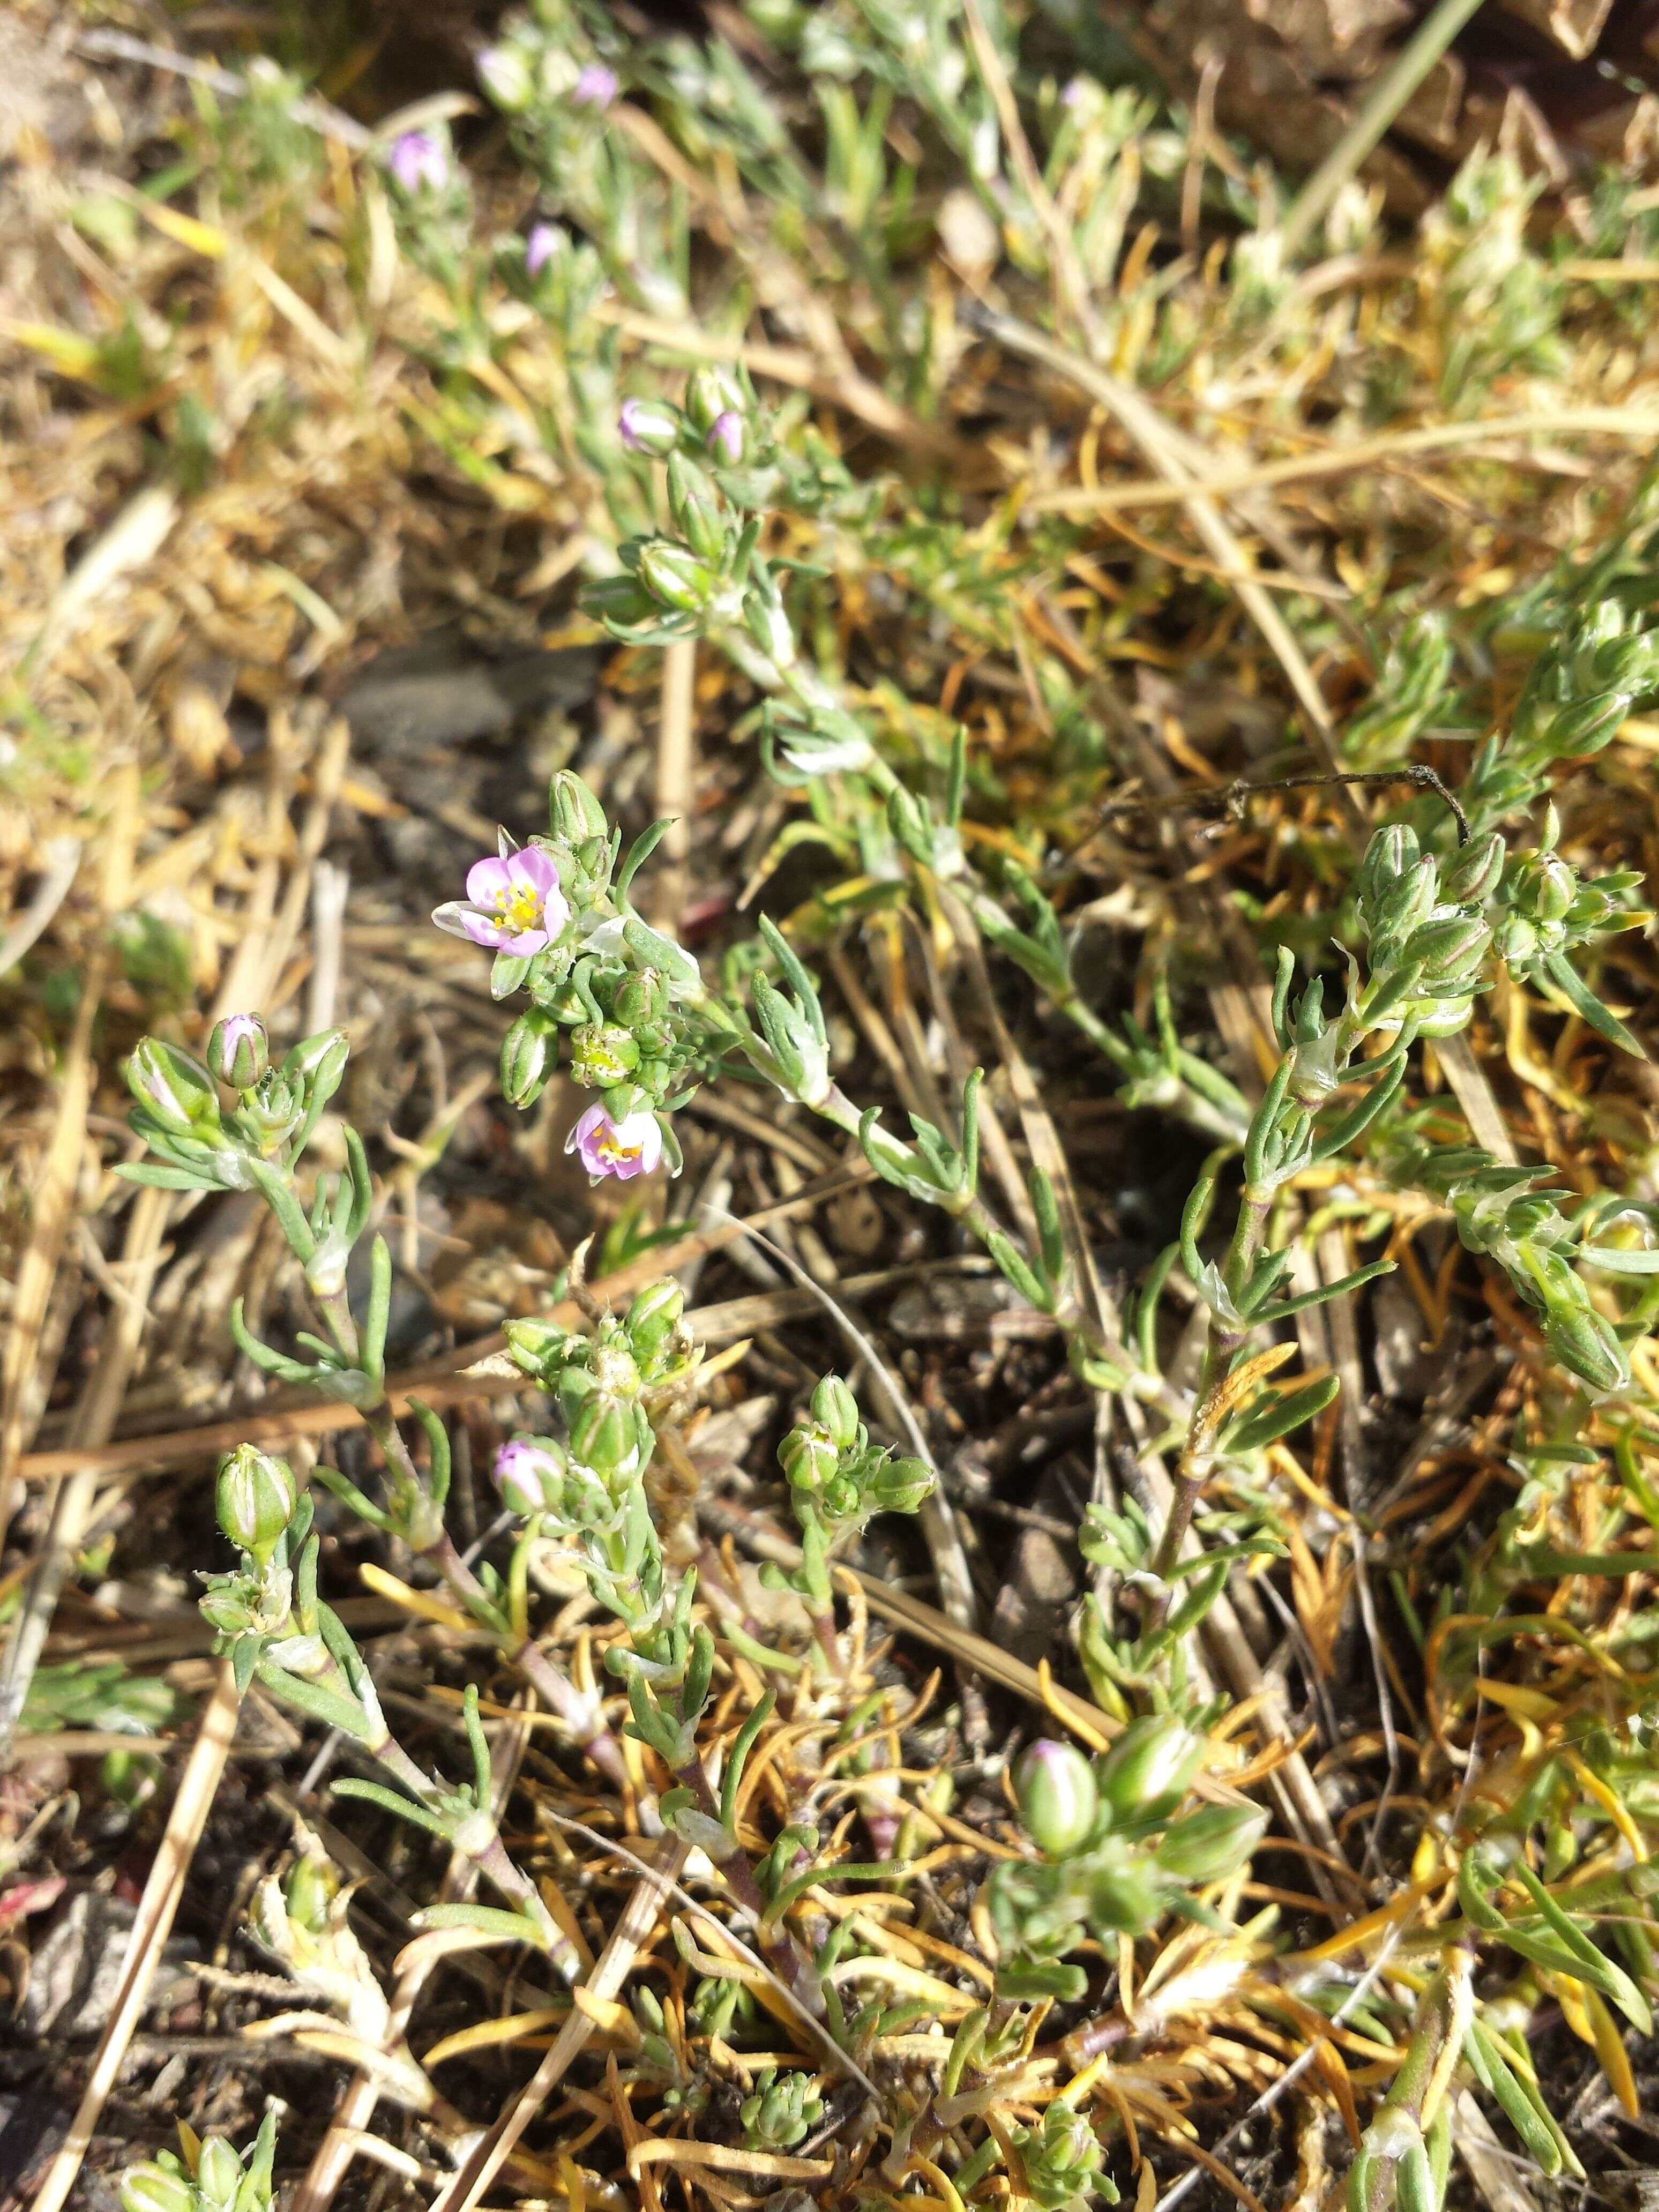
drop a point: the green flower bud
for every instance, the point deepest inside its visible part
(320, 1061)
(692, 503)
(529, 1052)
(573, 810)
(1212, 1843)
(177, 1090)
(309, 1891)
(898, 1486)
(1470, 875)
(538, 1345)
(641, 1001)
(674, 577)
(711, 392)
(218, 2172)
(1146, 1773)
(649, 425)
(150, 2188)
(809, 1458)
(1059, 1801)
(836, 1410)
(255, 1499)
(614, 1439)
(653, 1316)
(239, 1051)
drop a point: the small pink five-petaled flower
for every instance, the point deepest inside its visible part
(514, 905)
(625, 1149)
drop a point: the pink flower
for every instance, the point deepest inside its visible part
(595, 86)
(625, 1149)
(544, 242)
(528, 1474)
(418, 163)
(514, 905)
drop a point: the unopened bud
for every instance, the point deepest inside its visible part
(711, 392)
(255, 1498)
(237, 1051)
(505, 75)
(177, 1090)
(602, 1055)
(574, 812)
(836, 1410)
(808, 1457)
(1059, 1801)
(151, 2189)
(649, 426)
(1147, 1772)
(528, 1051)
(528, 1472)
(728, 438)
(675, 577)
(1212, 1843)
(654, 1315)
(218, 2172)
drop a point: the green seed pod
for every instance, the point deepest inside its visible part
(255, 1499)
(1059, 1800)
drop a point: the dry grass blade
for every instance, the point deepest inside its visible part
(151, 1929)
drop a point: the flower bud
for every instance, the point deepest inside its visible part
(573, 810)
(767, 622)
(613, 1438)
(1146, 1773)
(218, 2172)
(728, 438)
(177, 1090)
(528, 1051)
(654, 1315)
(1470, 875)
(649, 426)
(255, 1498)
(505, 75)
(674, 577)
(808, 1457)
(1212, 1843)
(528, 1472)
(309, 1891)
(237, 1051)
(711, 392)
(1059, 1801)
(899, 1485)
(150, 2188)
(641, 1001)
(536, 1345)
(836, 1410)
(691, 501)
